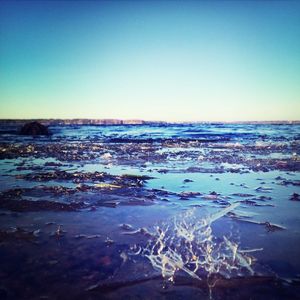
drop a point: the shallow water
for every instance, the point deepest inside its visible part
(73, 220)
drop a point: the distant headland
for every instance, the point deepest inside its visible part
(86, 121)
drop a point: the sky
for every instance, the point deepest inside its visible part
(151, 60)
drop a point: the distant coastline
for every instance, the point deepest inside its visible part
(85, 121)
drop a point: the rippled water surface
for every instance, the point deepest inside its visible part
(184, 211)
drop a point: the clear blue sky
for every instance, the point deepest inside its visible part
(172, 60)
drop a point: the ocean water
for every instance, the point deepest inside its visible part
(201, 131)
(204, 211)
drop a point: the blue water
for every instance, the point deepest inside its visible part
(207, 132)
(227, 160)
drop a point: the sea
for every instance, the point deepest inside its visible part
(150, 211)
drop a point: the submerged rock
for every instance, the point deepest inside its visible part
(126, 227)
(34, 128)
(187, 180)
(273, 227)
(16, 233)
(38, 205)
(295, 197)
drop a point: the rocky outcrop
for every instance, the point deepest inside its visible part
(34, 128)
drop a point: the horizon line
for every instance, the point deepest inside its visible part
(150, 121)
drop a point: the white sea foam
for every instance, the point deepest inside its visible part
(187, 244)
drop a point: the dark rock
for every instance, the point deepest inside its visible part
(126, 227)
(186, 195)
(242, 195)
(38, 205)
(187, 180)
(272, 227)
(214, 193)
(34, 128)
(295, 197)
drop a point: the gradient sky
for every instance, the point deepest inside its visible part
(175, 61)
